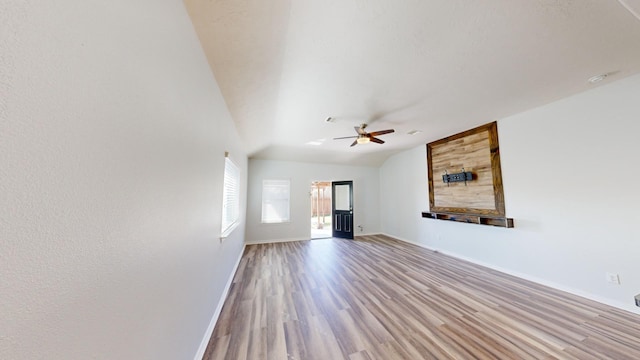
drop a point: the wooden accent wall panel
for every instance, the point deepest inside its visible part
(477, 151)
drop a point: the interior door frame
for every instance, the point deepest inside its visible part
(342, 222)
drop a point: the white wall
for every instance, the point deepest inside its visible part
(365, 197)
(112, 140)
(570, 172)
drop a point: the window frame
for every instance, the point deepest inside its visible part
(230, 198)
(265, 182)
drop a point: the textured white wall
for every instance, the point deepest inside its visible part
(112, 140)
(569, 171)
(365, 197)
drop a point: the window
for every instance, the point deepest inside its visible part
(230, 197)
(275, 201)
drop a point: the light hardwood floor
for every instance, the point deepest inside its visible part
(380, 298)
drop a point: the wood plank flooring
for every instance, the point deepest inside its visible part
(379, 298)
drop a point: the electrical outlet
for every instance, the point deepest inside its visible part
(613, 278)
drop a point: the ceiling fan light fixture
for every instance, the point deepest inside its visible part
(364, 137)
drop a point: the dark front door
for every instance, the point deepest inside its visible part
(342, 206)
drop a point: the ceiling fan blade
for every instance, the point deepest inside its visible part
(376, 140)
(381, 132)
(354, 143)
(345, 137)
(360, 130)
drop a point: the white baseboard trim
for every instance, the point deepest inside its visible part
(273, 241)
(216, 313)
(366, 234)
(570, 290)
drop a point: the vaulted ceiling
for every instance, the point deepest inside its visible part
(437, 66)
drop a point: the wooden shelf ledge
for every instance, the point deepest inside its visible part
(471, 219)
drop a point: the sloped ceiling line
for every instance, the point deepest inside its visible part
(634, 8)
(284, 66)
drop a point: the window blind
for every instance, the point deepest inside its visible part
(231, 197)
(275, 201)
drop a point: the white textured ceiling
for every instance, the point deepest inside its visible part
(439, 66)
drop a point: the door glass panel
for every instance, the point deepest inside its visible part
(342, 197)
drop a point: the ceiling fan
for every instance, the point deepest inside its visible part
(364, 137)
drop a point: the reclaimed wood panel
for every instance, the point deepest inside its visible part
(379, 298)
(471, 219)
(472, 154)
(477, 151)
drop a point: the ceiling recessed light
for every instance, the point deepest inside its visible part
(330, 119)
(316, 142)
(597, 78)
(413, 132)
